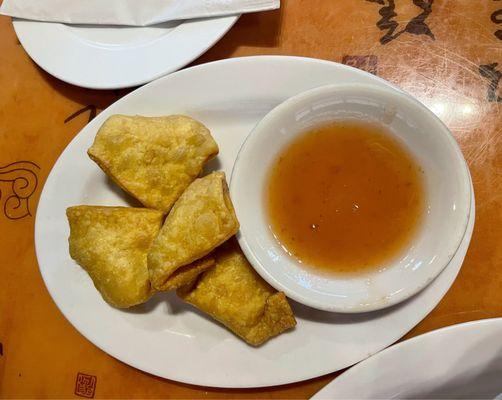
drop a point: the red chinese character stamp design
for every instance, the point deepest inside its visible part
(85, 385)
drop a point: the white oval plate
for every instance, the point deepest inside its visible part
(165, 337)
(458, 362)
(110, 57)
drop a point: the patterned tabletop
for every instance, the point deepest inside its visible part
(448, 53)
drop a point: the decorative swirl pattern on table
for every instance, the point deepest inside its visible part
(496, 18)
(493, 75)
(368, 63)
(23, 179)
(416, 26)
(92, 113)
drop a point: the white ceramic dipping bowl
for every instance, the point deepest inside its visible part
(447, 197)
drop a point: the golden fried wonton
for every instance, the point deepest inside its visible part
(153, 158)
(190, 272)
(201, 220)
(111, 244)
(234, 294)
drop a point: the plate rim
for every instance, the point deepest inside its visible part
(445, 330)
(198, 382)
(51, 69)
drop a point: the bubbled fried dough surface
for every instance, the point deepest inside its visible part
(111, 244)
(153, 159)
(201, 220)
(235, 295)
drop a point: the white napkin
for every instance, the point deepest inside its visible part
(129, 12)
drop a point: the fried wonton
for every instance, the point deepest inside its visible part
(201, 220)
(190, 272)
(153, 159)
(234, 294)
(111, 244)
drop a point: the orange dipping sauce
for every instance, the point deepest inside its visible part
(345, 198)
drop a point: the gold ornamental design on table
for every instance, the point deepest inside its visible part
(18, 182)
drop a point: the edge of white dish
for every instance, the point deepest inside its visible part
(106, 59)
(356, 294)
(367, 379)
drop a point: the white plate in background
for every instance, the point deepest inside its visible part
(165, 337)
(111, 57)
(457, 362)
